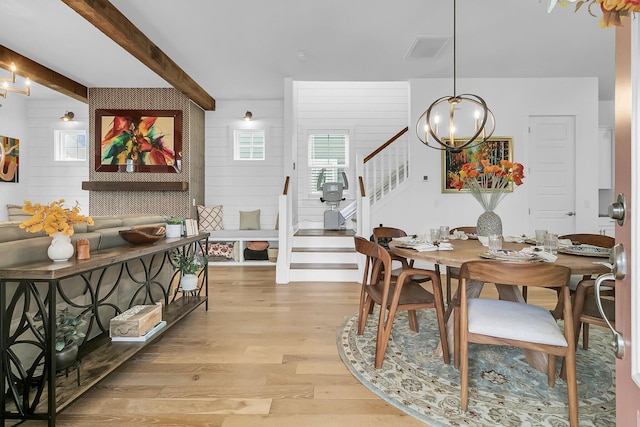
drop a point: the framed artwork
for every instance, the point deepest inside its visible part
(9, 159)
(494, 150)
(138, 140)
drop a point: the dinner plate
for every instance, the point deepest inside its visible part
(508, 255)
(586, 250)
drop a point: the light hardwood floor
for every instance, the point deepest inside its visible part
(264, 355)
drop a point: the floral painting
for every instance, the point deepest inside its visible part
(493, 151)
(138, 141)
(9, 159)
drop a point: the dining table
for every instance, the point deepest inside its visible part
(471, 250)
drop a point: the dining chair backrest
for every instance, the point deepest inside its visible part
(590, 239)
(499, 322)
(383, 235)
(454, 272)
(377, 262)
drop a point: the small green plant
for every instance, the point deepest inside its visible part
(69, 328)
(175, 221)
(188, 263)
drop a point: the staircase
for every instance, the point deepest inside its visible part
(323, 256)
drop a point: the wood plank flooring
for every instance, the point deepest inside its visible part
(263, 356)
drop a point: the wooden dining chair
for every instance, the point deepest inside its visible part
(499, 322)
(585, 309)
(403, 294)
(454, 272)
(383, 235)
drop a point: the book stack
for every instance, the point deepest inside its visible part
(137, 324)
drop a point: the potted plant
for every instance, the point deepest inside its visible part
(174, 227)
(189, 264)
(57, 221)
(69, 330)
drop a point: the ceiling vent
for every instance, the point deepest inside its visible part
(425, 47)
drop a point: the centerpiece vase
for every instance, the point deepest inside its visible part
(60, 248)
(489, 223)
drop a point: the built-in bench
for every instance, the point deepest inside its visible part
(240, 238)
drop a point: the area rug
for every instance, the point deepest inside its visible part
(503, 389)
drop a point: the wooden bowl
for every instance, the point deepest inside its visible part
(142, 235)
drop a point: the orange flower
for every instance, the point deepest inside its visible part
(53, 218)
(487, 183)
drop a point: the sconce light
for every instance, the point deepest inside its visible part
(248, 116)
(68, 116)
(4, 88)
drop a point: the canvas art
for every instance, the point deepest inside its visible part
(9, 159)
(494, 150)
(138, 141)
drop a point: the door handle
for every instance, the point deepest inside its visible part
(571, 213)
(617, 209)
(618, 341)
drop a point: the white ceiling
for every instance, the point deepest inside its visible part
(245, 49)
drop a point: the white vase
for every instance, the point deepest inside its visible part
(489, 223)
(60, 248)
(173, 230)
(189, 282)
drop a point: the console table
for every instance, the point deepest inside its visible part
(31, 389)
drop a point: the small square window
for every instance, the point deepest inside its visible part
(248, 145)
(70, 145)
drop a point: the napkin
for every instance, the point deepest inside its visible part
(564, 243)
(514, 239)
(546, 256)
(458, 235)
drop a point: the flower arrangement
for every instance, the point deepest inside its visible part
(486, 182)
(612, 10)
(53, 218)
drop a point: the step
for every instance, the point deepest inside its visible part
(321, 256)
(323, 242)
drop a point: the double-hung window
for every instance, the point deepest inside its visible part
(328, 156)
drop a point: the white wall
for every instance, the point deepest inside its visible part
(372, 112)
(244, 185)
(512, 101)
(41, 179)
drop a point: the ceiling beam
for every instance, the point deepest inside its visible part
(42, 75)
(104, 16)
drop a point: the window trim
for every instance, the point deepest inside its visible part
(59, 149)
(235, 135)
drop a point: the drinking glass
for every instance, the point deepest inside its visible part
(495, 242)
(540, 237)
(444, 233)
(551, 243)
(435, 235)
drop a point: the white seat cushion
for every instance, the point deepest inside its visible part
(512, 320)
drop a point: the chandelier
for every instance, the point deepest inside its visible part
(4, 87)
(466, 113)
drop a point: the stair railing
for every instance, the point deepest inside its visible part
(285, 234)
(387, 167)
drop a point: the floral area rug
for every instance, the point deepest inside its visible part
(503, 389)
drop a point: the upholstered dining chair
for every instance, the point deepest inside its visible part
(382, 236)
(499, 322)
(403, 294)
(454, 272)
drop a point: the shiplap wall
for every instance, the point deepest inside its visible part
(372, 112)
(240, 185)
(41, 179)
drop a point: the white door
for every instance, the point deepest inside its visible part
(551, 174)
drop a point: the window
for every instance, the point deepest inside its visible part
(70, 145)
(248, 145)
(328, 154)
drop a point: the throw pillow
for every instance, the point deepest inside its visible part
(210, 219)
(250, 220)
(257, 245)
(221, 250)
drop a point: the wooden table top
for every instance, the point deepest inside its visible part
(469, 250)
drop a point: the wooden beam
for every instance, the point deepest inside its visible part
(104, 16)
(42, 75)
